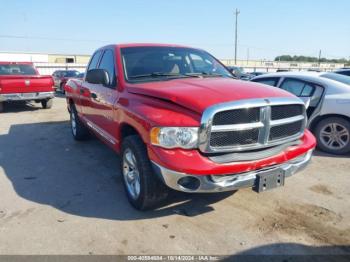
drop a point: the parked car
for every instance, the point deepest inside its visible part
(81, 76)
(254, 74)
(61, 77)
(345, 71)
(20, 81)
(329, 111)
(239, 73)
(179, 120)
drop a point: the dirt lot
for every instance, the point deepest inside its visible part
(59, 196)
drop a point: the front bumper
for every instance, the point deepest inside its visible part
(26, 96)
(230, 182)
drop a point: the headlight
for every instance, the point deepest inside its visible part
(175, 137)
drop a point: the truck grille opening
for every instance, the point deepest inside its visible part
(286, 111)
(252, 125)
(239, 116)
(279, 132)
(234, 138)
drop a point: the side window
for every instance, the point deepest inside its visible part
(298, 88)
(94, 60)
(107, 63)
(345, 73)
(267, 81)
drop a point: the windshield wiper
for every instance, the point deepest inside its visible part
(205, 74)
(158, 74)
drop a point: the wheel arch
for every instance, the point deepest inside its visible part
(70, 104)
(126, 129)
(318, 119)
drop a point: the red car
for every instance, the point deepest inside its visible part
(20, 81)
(60, 78)
(179, 120)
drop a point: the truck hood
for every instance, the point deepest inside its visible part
(199, 93)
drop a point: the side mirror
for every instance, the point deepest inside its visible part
(97, 76)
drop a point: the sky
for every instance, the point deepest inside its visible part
(266, 29)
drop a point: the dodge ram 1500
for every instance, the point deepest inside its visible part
(178, 119)
(22, 82)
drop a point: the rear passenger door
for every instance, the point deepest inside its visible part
(86, 88)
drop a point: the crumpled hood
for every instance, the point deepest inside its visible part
(198, 94)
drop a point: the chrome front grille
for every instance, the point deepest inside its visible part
(251, 124)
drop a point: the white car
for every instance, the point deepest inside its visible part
(328, 97)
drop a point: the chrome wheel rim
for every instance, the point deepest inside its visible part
(335, 136)
(131, 174)
(73, 124)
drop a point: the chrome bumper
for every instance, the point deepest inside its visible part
(26, 96)
(231, 182)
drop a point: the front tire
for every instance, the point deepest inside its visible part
(143, 188)
(1, 107)
(47, 104)
(79, 130)
(333, 135)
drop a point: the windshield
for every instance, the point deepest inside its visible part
(337, 77)
(71, 73)
(14, 69)
(161, 63)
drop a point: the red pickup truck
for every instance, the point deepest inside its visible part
(178, 119)
(22, 82)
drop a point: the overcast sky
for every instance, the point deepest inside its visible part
(266, 28)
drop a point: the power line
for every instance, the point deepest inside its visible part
(50, 38)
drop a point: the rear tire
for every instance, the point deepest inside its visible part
(143, 188)
(79, 131)
(333, 135)
(47, 104)
(1, 107)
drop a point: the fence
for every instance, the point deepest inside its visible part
(272, 66)
(49, 68)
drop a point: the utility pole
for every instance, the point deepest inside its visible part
(247, 56)
(319, 58)
(236, 34)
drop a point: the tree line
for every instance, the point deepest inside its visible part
(289, 58)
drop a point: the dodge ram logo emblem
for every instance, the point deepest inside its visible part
(27, 82)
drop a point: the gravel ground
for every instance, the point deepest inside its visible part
(59, 196)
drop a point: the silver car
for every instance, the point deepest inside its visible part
(328, 98)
